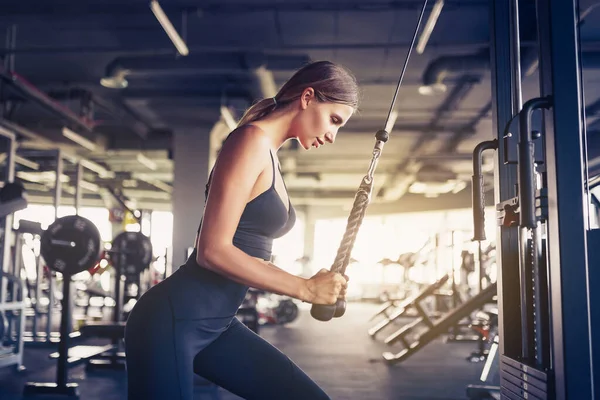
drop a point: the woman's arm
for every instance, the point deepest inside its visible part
(242, 160)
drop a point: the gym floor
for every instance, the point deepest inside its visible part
(338, 354)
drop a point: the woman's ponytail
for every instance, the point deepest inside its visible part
(258, 110)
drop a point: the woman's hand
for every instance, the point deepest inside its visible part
(326, 287)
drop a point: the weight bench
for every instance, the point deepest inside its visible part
(102, 355)
(434, 329)
(81, 353)
(110, 330)
(110, 358)
(411, 303)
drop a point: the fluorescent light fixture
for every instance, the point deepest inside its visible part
(155, 182)
(69, 189)
(428, 29)
(29, 176)
(129, 183)
(92, 187)
(430, 90)
(146, 162)
(41, 177)
(97, 168)
(22, 161)
(27, 163)
(77, 138)
(117, 81)
(169, 29)
(161, 185)
(228, 118)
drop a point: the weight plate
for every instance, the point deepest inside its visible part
(131, 252)
(71, 244)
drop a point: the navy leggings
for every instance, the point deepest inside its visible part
(166, 346)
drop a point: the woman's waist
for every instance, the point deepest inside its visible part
(198, 293)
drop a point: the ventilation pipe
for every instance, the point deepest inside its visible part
(479, 63)
(440, 68)
(253, 65)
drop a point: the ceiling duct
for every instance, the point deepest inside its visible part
(438, 69)
(254, 66)
(479, 63)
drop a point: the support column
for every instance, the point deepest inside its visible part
(191, 148)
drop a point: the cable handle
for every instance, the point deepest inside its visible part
(323, 312)
(478, 189)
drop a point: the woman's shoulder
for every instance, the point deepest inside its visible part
(246, 138)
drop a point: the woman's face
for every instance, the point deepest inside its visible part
(319, 122)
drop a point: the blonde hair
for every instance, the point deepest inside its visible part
(331, 82)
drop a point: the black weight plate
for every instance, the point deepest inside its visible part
(71, 244)
(131, 252)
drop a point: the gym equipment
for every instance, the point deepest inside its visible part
(485, 324)
(247, 312)
(35, 312)
(17, 290)
(523, 210)
(548, 312)
(12, 323)
(487, 390)
(130, 254)
(407, 261)
(118, 196)
(323, 312)
(413, 303)
(276, 309)
(282, 311)
(70, 245)
(133, 251)
(434, 329)
(12, 305)
(59, 159)
(263, 308)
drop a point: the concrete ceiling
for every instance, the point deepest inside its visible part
(60, 52)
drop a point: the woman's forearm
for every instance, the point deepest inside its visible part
(238, 266)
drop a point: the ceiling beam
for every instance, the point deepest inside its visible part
(69, 9)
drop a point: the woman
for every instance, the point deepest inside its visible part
(187, 324)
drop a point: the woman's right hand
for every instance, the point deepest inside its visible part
(326, 287)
